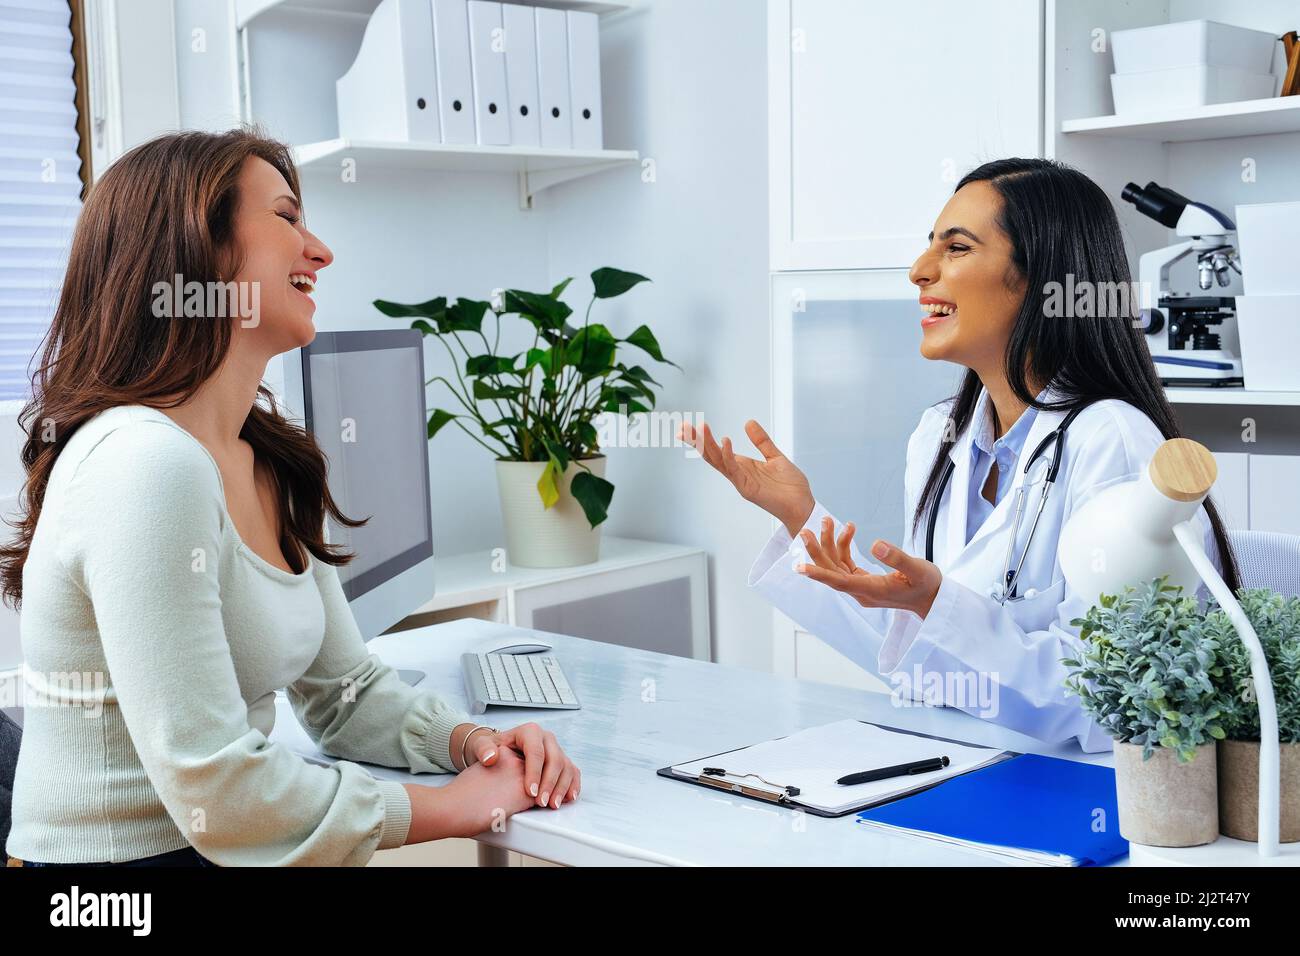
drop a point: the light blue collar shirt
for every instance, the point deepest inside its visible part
(985, 450)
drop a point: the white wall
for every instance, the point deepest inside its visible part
(686, 84)
(206, 63)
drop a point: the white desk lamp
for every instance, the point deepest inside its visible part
(1138, 530)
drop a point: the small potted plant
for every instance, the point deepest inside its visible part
(534, 410)
(1150, 674)
(1276, 620)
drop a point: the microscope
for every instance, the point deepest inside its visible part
(1181, 330)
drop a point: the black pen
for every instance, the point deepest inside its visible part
(900, 770)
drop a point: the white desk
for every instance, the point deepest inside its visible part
(642, 711)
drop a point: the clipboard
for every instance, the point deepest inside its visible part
(786, 793)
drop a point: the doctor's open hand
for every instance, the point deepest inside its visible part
(911, 586)
(775, 484)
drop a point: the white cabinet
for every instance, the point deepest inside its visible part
(877, 110)
(643, 594)
(1275, 493)
(1260, 492)
(656, 605)
(1232, 488)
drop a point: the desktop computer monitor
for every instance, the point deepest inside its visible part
(362, 395)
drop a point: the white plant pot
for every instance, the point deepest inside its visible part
(539, 537)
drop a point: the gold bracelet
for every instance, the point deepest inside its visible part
(464, 759)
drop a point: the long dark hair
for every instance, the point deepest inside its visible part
(165, 208)
(1061, 223)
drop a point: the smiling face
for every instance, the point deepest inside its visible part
(280, 255)
(971, 290)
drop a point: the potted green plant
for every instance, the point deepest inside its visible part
(535, 410)
(1276, 620)
(1149, 672)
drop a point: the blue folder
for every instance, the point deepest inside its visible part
(1040, 808)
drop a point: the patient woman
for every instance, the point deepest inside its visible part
(173, 569)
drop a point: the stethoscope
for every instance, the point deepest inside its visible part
(1004, 589)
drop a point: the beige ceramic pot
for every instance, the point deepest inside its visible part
(1239, 790)
(1166, 803)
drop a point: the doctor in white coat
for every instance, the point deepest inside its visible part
(939, 630)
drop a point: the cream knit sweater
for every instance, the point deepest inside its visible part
(154, 641)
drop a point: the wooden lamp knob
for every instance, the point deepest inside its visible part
(1183, 470)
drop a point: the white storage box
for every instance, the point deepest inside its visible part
(1269, 329)
(1270, 264)
(1185, 86)
(1168, 46)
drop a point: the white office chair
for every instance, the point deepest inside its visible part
(1268, 559)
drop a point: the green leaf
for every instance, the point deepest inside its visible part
(488, 365)
(543, 311)
(592, 351)
(637, 374)
(438, 419)
(540, 357)
(620, 400)
(612, 282)
(586, 432)
(645, 340)
(559, 454)
(594, 494)
(559, 289)
(546, 485)
(428, 310)
(483, 390)
(465, 316)
(634, 386)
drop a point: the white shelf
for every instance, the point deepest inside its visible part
(478, 585)
(1229, 396)
(248, 10)
(461, 579)
(1224, 851)
(538, 169)
(459, 158)
(1219, 121)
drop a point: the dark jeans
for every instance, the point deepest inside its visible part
(185, 856)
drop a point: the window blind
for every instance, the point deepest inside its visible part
(40, 183)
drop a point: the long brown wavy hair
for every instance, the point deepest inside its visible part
(163, 209)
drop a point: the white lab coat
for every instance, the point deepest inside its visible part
(1000, 662)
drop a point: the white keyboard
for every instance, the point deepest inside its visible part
(516, 680)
